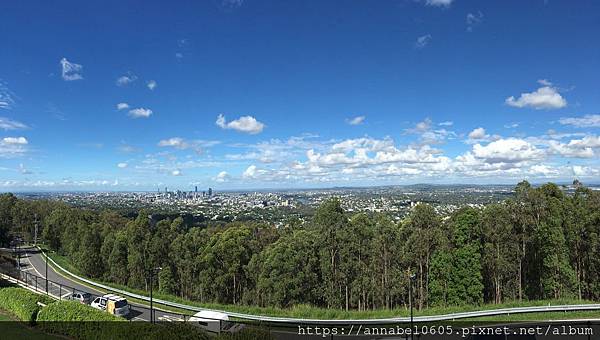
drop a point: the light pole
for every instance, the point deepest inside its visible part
(46, 272)
(411, 278)
(152, 271)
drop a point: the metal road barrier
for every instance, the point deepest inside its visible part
(382, 321)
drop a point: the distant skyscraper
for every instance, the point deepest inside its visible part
(196, 188)
(209, 192)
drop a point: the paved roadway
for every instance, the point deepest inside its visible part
(33, 262)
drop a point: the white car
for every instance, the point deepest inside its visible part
(112, 304)
(215, 322)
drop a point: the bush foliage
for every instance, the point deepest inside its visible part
(22, 303)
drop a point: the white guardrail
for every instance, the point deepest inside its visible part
(383, 321)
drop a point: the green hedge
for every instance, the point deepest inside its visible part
(74, 311)
(22, 302)
(76, 320)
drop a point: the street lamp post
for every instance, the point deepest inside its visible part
(46, 273)
(411, 278)
(151, 281)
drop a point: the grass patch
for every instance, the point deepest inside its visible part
(541, 316)
(22, 303)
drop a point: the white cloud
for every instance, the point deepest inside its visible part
(15, 140)
(585, 171)
(446, 123)
(473, 19)
(546, 97)
(544, 82)
(140, 113)
(13, 147)
(126, 79)
(478, 133)
(428, 134)
(122, 106)
(439, 3)
(356, 120)
(587, 121)
(151, 84)
(422, 41)
(250, 172)
(176, 172)
(70, 71)
(6, 96)
(543, 170)
(182, 144)
(508, 150)
(122, 165)
(222, 177)
(9, 124)
(576, 148)
(246, 124)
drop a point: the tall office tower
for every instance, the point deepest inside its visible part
(209, 192)
(196, 187)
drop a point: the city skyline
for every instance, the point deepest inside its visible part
(253, 94)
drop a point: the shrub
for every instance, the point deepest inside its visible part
(22, 303)
(75, 320)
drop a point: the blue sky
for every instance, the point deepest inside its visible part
(135, 95)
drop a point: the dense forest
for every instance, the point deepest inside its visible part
(540, 244)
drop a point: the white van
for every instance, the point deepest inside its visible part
(215, 322)
(112, 304)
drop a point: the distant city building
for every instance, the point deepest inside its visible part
(210, 192)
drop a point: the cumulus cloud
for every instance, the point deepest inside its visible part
(122, 106)
(15, 140)
(509, 150)
(250, 172)
(122, 165)
(151, 84)
(576, 148)
(422, 41)
(545, 97)
(126, 79)
(478, 133)
(13, 147)
(140, 113)
(222, 177)
(9, 124)
(428, 134)
(176, 172)
(358, 120)
(587, 121)
(246, 124)
(446, 123)
(70, 71)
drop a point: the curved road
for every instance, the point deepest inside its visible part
(34, 263)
